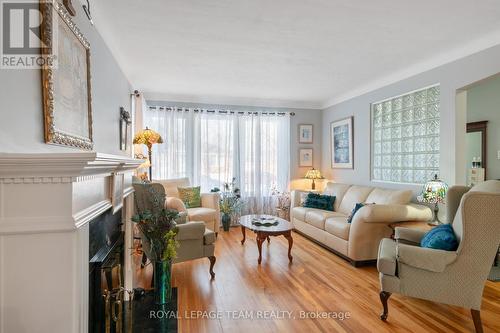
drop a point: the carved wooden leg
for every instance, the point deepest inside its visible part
(212, 263)
(288, 236)
(476, 317)
(244, 235)
(260, 239)
(384, 296)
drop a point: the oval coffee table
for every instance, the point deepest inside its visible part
(283, 228)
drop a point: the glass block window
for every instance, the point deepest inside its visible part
(405, 137)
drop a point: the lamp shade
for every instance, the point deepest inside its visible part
(434, 191)
(313, 174)
(147, 137)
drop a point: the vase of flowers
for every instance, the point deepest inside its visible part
(159, 229)
(230, 202)
(283, 202)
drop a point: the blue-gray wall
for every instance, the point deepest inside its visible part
(451, 77)
(21, 113)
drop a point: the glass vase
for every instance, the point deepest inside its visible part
(226, 221)
(163, 281)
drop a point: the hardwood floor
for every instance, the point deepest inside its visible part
(317, 280)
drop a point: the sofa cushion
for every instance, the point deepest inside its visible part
(315, 200)
(317, 217)
(386, 262)
(338, 190)
(300, 213)
(354, 195)
(201, 214)
(171, 185)
(387, 197)
(338, 226)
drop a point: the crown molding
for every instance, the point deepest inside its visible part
(234, 101)
(481, 44)
(60, 167)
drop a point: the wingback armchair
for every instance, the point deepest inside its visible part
(450, 277)
(209, 212)
(195, 240)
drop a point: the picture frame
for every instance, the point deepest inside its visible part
(341, 143)
(117, 188)
(305, 157)
(66, 88)
(305, 133)
(125, 123)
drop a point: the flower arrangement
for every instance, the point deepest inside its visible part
(230, 201)
(283, 198)
(158, 227)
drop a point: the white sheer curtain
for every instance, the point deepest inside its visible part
(213, 147)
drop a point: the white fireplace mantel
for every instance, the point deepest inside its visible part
(46, 202)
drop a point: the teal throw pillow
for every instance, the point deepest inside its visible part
(355, 209)
(441, 237)
(315, 200)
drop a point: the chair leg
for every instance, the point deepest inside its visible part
(384, 296)
(476, 317)
(212, 263)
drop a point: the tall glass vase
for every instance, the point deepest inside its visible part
(163, 281)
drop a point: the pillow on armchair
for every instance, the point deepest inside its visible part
(190, 196)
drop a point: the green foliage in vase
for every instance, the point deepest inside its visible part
(230, 198)
(158, 226)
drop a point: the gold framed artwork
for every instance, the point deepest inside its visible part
(67, 102)
(305, 157)
(305, 133)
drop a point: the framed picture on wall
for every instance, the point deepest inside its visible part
(341, 143)
(67, 102)
(305, 157)
(305, 133)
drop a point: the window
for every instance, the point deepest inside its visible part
(212, 147)
(405, 137)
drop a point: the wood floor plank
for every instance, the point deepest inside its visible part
(316, 281)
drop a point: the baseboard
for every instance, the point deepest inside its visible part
(354, 263)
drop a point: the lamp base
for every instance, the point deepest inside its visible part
(434, 223)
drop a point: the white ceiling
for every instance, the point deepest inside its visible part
(290, 53)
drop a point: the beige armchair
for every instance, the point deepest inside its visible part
(209, 212)
(450, 277)
(195, 240)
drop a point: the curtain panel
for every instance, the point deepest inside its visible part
(212, 147)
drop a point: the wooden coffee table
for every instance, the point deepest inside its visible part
(283, 228)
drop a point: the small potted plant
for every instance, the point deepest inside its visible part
(158, 228)
(230, 202)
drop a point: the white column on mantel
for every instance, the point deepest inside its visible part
(46, 203)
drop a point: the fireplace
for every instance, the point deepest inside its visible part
(60, 205)
(106, 287)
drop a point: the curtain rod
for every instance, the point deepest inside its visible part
(178, 109)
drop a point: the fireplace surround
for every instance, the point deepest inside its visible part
(47, 203)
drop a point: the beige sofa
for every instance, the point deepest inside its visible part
(209, 212)
(357, 241)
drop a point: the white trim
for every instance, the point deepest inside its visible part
(35, 225)
(406, 93)
(444, 58)
(88, 214)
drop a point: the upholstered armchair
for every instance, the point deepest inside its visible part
(450, 277)
(195, 240)
(209, 212)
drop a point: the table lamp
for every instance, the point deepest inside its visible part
(313, 174)
(434, 192)
(148, 137)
